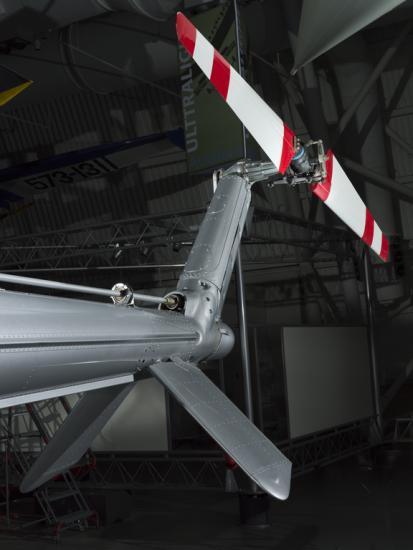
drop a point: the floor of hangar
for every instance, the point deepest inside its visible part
(341, 507)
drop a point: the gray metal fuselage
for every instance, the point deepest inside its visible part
(57, 346)
(49, 342)
(56, 343)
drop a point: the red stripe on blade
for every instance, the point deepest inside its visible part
(368, 228)
(384, 252)
(186, 33)
(288, 151)
(322, 189)
(220, 74)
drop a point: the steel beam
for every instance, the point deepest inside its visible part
(241, 301)
(402, 143)
(404, 192)
(372, 342)
(399, 89)
(391, 392)
(92, 269)
(243, 329)
(332, 307)
(242, 308)
(378, 69)
(109, 245)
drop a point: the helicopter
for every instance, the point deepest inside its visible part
(52, 346)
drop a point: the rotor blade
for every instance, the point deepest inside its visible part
(224, 422)
(273, 136)
(325, 23)
(338, 193)
(75, 435)
(276, 139)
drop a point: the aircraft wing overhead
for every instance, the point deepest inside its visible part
(326, 23)
(277, 140)
(227, 425)
(11, 84)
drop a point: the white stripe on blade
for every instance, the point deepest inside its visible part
(377, 236)
(259, 119)
(203, 54)
(345, 201)
(338, 193)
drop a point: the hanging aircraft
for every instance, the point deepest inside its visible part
(326, 23)
(52, 346)
(19, 184)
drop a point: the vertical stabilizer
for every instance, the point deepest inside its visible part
(75, 435)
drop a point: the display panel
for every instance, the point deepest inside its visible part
(328, 377)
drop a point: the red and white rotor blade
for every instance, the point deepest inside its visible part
(338, 193)
(276, 139)
(267, 128)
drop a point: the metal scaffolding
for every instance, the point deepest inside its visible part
(208, 469)
(25, 430)
(132, 242)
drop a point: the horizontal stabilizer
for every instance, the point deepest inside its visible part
(224, 422)
(76, 434)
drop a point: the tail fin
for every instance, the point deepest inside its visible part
(251, 450)
(75, 435)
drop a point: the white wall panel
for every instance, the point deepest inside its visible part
(140, 423)
(328, 378)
